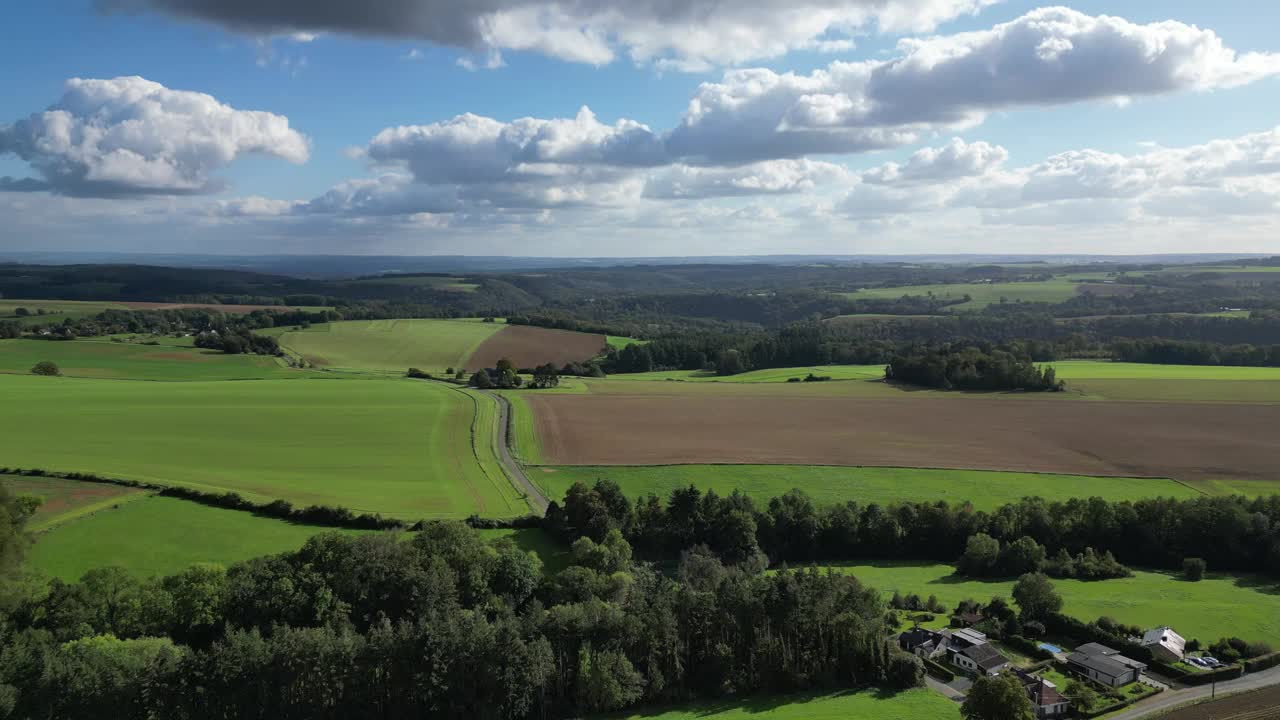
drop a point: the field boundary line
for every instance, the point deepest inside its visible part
(868, 467)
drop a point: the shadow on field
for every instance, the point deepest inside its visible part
(753, 704)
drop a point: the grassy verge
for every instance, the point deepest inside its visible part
(827, 485)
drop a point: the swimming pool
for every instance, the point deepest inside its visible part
(1050, 648)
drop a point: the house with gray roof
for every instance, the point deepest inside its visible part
(1105, 665)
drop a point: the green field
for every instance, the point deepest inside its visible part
(66, 500)
(56, 310)
(524, 434)
(130, 361)
(830, 485)
(388, 345)
(395, 446)
(1103, 379)
(920, 704)
(160, 536)
(620, 342)
(981, 294)
(1218, 606)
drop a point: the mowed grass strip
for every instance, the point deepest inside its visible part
(398, 447)
(65, 500)
(918, 704)
(159, 536)
(830, 485)
(130, 361)
(389, 345)
(1219, 606)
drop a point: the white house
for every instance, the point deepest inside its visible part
(1165, 645)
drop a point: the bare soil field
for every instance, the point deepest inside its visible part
(528, 346)
(1129, 439)
(1256, 705)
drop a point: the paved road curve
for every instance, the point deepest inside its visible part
(537, 500)
(1166, 701)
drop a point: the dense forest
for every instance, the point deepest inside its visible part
(951, 368)
(442, 625)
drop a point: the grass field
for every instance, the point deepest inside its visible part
(56, 310)
(772, 375)
(130, 361)
(1102, 379)
(1218, 606)
(159, 536)
(524, 432)
(66, 500)
(389, 345)
(830, 485)
(398, 447)
(981, 294)
(920, 704)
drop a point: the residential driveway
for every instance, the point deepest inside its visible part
(1173, 698)
(943, 689)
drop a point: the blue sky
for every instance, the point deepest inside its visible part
(820, 187)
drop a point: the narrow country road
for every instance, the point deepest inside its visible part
(537, 500)
(1166, 701)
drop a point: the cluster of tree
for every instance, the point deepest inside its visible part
(984, 556)
(443, 625)
(1175, 352)
(969, 368)
(239, 341)
(1231, 533)
(502, 377)
(47, 368)
(546, 376)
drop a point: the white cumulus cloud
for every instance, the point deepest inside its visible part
(131, 136)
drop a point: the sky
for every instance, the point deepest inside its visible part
(640, 127)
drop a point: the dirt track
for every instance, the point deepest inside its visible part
(528, 347)
(1187, 441)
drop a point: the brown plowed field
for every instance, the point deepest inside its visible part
(528, 347)
(1202, 440)
(1256, 705)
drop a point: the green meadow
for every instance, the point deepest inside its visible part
(159, 536)
(399, 447)
(388, 345)
(1218, 606)
(771, 375)
(1103, 379)
(99, 358)
(554, 556)
(55, 310)
(981, 295)
(919, 704)
(830, 485)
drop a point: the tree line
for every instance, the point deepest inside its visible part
(1174, 352)
(1232, 533)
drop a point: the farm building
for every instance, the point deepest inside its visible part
(1047, 700)
(1105, 665)
(1165, 644)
